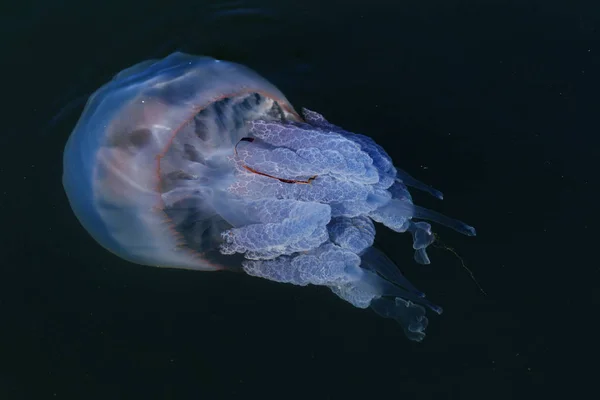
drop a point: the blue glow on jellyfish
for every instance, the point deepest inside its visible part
(191, 162)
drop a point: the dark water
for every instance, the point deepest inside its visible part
(493, 102)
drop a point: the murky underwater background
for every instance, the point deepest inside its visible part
(492, 102)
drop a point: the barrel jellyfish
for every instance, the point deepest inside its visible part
(192, 162)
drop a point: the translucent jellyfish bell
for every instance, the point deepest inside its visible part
(190, 162)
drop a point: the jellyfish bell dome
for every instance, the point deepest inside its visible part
(144, 167)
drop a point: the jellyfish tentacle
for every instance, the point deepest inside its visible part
(459, 226)
(408, 180)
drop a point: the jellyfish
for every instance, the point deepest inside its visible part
(197, 163)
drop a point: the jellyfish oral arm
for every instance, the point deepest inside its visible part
(322, 233)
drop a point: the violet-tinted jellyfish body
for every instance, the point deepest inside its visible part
(191, 162)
